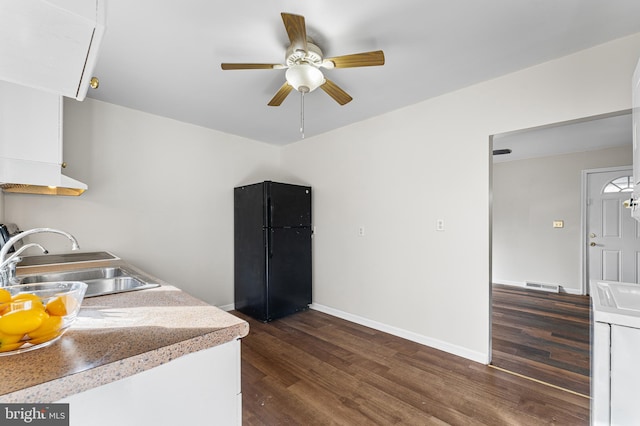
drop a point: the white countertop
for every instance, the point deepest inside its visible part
(616, 303)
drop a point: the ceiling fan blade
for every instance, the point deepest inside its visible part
(339, 95)
(365, 59)
(281, 94)
(296, 29)
(251, 66)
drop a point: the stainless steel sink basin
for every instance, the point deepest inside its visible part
(100, 281)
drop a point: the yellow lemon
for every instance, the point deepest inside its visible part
(21, 321)
(57, 306)
(7, 339)
(45, 338)
(5, 299)
(50, 325)
(11, 346)
(5, 296)
(28, 299)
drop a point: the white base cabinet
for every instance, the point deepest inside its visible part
(625, 375)
(615, 375)
(600, 374)
(202, 388)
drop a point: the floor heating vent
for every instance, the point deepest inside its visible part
(551, 288)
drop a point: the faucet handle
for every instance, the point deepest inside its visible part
(13, 263)
(8, 267)
(8, 271)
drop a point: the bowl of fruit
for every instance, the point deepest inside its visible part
(35, 315)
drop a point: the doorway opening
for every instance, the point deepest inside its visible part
(536, 236)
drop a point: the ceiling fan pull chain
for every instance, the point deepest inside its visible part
(302, 114)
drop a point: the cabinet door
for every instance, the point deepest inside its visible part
(201, 388)
(600, 373)
(30, 124)
(49, 46)
(625, 375)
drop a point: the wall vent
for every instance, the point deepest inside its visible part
(551, 288)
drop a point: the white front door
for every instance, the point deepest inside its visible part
(613, 243)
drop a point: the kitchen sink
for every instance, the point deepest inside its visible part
(100, 281)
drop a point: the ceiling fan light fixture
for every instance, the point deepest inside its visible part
(304, 78)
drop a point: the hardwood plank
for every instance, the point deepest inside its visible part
(311, 368)
(542, 335)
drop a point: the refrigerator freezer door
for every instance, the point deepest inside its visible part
(288, 205)
(289, 271)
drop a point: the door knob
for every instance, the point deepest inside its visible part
(592, 235)
(592, 244)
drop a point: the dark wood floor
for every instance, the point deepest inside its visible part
(542, 335)
(314, 369)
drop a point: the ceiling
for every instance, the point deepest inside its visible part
(163, 57)
(564, 138)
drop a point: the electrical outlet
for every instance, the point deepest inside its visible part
(558, 223)
(440, 225)
(361, 231)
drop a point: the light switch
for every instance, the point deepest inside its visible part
(558, 223)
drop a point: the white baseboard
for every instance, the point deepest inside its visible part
(227, 308)
(521, 284)
(571, 291)
(405, 334)
(511, 283)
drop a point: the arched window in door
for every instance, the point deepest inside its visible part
(621, 184)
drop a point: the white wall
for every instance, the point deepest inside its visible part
(528, 195)
(395, 174)
(160, 194)
(398, 173)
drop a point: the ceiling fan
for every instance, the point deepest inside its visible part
(303, 60)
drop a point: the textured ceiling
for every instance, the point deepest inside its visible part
(163, 57)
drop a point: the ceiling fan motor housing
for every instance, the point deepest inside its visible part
(313, 55)
(303, 71)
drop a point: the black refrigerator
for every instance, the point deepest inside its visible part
(272, 249)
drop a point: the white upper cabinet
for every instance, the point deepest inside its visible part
(31, 124)
(50, 45)
(31, 142)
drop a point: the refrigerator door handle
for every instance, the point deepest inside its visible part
(269, 212)
(269, 229)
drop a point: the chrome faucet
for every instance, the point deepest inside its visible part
(8, 264)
